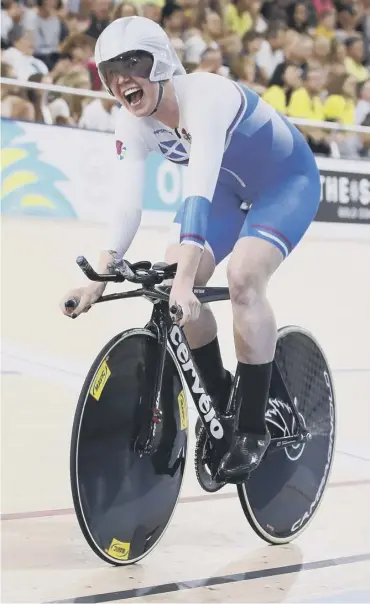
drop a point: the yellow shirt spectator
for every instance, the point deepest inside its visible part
(356, 69)
(237, 24)
(276, 97)
(302, 105)
(321, 30)
(337, 107)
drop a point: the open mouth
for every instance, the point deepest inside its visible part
(134, 96)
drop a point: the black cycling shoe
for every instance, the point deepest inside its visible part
(229, 379)
(244, 456)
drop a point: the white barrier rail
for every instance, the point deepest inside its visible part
(103, 95)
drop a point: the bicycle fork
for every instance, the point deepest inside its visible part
(149, 437)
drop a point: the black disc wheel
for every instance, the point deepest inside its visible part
(283, 494)
(124, 498)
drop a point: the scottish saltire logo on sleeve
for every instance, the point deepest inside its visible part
(121, 150)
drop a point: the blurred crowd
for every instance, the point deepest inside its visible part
(308, 59)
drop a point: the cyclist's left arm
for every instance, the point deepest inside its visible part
(209, 110)
(210, 105)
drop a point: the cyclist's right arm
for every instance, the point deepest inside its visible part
(123, 212)
(125, 209)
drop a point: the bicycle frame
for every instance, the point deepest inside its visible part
(166, 331)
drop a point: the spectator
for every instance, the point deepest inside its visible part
(275, 10)
(282, 85)
(238, 17)
(298, 17)
(366, 29)
(347, 20)
(50, 31)
(9, 93)
(40, 98)
(326, 24)
(363, 105)
(72, 23)
(20, 54)
(191, 12)
(211, 61)
(297, 50)
(67, 108)
(124, 9)
(321, 6)
(100, 114)
(321, 53)
(338, 53)
(305, 102)
(258, 22)
(364, 148)
(16, 108)
(300, 50)
(355, 56)
(340, 103)
(79, 49)
(244, 70)
(271, 52)
(15, 13)
(76, 23)
(99, 18)
(152, 9)
(231, 46)
(173, 20)
(252, 42)
(198, 40)
(13, 105)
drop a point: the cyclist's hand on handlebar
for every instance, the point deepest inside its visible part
(182, 295)
(81, 299)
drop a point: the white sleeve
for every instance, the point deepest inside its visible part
(211, 104)
(129, 174)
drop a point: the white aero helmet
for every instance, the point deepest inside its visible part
(130, 34)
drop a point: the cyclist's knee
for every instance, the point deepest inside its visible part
(206, 265)
(244, 284)
(250, 267)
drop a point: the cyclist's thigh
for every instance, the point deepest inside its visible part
(224, 222)
(283, 214)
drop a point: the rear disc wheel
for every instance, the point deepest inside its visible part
(283, 494)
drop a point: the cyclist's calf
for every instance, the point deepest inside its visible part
(251, 265)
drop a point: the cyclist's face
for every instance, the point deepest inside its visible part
(127, 76)
(138, 95)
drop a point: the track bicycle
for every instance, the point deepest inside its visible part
(130, 431)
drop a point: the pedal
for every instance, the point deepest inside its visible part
(206, 464)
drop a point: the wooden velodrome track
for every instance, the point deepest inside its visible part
(324, 286)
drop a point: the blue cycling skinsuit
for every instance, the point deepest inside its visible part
(237, 151)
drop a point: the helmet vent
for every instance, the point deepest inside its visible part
(160, 69)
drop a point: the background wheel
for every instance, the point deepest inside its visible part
(282, 496)
(124, 500)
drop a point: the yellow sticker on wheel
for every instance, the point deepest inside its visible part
(100, 380)
(119, 550)
(183, 410)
